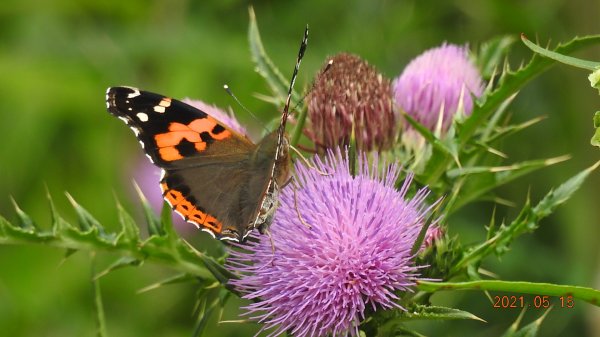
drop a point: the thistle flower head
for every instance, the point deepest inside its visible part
(356, 253)
(351, 91)
(437, 80)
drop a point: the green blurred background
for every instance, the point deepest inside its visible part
(58, 57)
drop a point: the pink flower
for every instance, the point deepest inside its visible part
(356, 254)
(438, 79)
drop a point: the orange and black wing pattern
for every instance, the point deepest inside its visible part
(172, 132)
(205, 164)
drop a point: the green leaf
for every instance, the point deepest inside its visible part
(427, 134)
(595, 141)
(218, 270)
(509, 170)
(482, 179)
(531, 329)
(264, 66)
(166, 220)
(125, 261)
(86, 221)
(59, 225)
(390, 322)
(572, 61)
(589, 295)
(179, 278)
(559, 196)
(153, 221)
(505, 131)
(427, 312)
(492, 52)
(167, 249)
(208, 302)
(25, 221)
(594, 79)
(130, 232)
(527, 221)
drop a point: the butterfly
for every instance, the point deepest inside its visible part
(212, 176)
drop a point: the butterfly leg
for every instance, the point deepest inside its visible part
(307, 163)
(298, 211)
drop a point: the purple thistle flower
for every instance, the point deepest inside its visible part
(435, 80)
(356, 253)
(147, 175)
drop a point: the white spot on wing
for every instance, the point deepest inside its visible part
(142, 116)
(136, 131)
(125, 120)
(165, 102)
(135, 93)
(162, 174)
(159, 109)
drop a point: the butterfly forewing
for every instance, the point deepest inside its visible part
(171, 132)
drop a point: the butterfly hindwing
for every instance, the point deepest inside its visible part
(221, 198)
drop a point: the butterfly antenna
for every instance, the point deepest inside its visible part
(312, 87)
(228, 90)
(286, 108)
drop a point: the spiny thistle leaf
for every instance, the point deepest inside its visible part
(492, 52)
(526, 221)
(208, 302)
(509, 170)
(429, 312)
(531, 329)
(125, 261)
(153, 221)
(390, 322)
(515, 325)
(167, 249)
(86, 221)
(592, 66)
(557, 197)
(481, 179)
(264, 66)
(167, 222)
(502, 132)
(130, 231)
(59, 225)
(179, 278)
(25, 221)
(556, 56)
(429, 136)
